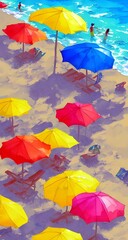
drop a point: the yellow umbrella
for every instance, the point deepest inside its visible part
(10, 107)
(56, 138)
(59, 19)
(63, 187)
(51, 233)
(12, 214)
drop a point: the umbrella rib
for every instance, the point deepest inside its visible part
(104, 206)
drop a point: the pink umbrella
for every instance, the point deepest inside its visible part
(96, 207)
(77, 114)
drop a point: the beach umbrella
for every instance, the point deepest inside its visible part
(24, 33)
(12, 213)
(63, 187)
(77, 114)
(3, 5)
(96, 207)
(56, 138)
(10, 107)
(51, 233)
(61, 20)
(22, 149)
(89, 56)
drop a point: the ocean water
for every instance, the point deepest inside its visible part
(112, 14)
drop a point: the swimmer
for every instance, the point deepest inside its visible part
(92, 30)
(106, 35)
(19, 6)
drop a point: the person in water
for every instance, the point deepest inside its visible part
(106, 35)
(19, 6)
(92, 30)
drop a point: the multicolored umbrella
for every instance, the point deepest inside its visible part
(10, 107)
(61, 20)
(63, 187)
(77, 114)
(51, 233)
(23, 149)
(96, 207)
(56, 138)
(89, 56)
(24, 33)
(12, 214)
(3, 5)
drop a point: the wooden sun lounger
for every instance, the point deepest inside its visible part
(25, 183)
(59, 162)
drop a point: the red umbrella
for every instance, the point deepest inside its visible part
(24, 33)
(23, 149)
(96, 207)
(3, 5)
(77, 114)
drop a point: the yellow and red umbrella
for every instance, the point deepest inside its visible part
(51, 233)
(59, 19)
(12, 214)
(24, 33)
(63, 187)
(56, 138)
(23, 149)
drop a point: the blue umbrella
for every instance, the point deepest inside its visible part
(89, 56)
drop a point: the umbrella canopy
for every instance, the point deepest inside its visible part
(12, 214)
(56, 138)
(96, 207)
(23, 149)
(63, 187)
(24, 33)
(89, 56)
(77, 114)
(51, 233)
(10, 107)
(59, 19)
(3, 5)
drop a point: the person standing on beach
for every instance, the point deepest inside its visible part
(106, 35)
(19, 6)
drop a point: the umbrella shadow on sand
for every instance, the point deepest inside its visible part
(5, 129)
(41, 126)
(6, 53)
(112, 224)
(52, 89)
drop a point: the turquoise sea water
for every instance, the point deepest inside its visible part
(112, 14)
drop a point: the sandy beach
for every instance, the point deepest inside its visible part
(45, 93)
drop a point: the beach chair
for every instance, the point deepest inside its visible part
(36, 54)
(122, 174)
(26, 183)
(59, 163)
(73, 75)
(14, 177)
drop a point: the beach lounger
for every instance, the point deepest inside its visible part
(59, 163)
(90, 86)
(33, 54)
(27, 183)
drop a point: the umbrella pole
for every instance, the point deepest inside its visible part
(66, 208)
(23, 46)
(55, 56)
(86, 77)
(78, 136)
(96, 231)
(22, 170)
(12, 125)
